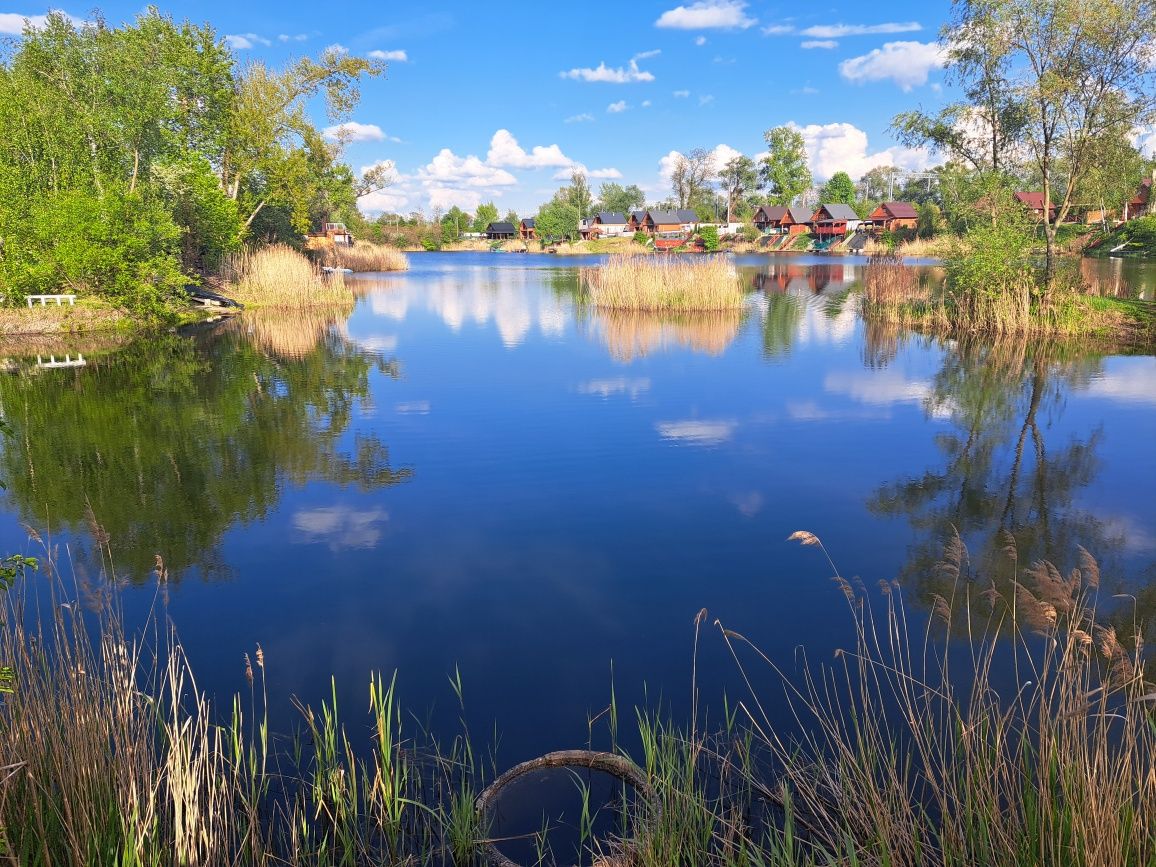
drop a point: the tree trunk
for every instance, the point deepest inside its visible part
(253, 215)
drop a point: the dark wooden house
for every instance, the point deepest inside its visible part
(834, 220)
(527, 229)
(501, 231)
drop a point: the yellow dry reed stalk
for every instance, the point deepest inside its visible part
(366, 257)
(279, 276)
(289, 335)
(665, 283)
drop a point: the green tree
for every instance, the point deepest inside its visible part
(691, 176)
(840, 188)
(577, 195)
(784, 169)
(487, 213)
(619, 199)
(512, 218)
(1074, 76)
(738, 177)
(557, 220)
(930, 220)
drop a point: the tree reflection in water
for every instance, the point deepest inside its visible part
(1004, 483)
(174, 439)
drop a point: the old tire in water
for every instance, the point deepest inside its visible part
(607, 763)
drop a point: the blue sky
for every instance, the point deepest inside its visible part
(498, 101)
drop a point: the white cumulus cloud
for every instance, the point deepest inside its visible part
(617, 107)
(700, 41)
(838, 31)
(707, 14)
(505, 151)
(681, 94)
(242, 41)
(843, 147)
(292, 37)
(609, 75)
(585, 117)
(908, 64)
(778, 29)
(818, 43)
(397, 55)
(354, 131)
(448, 168)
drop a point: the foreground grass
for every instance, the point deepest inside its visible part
(665, 283)
(88, 314)
(279, 276)
(1010, 727)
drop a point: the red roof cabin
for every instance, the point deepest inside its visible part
(1034, 202)
(891, 216)
(779, 220)
(1137, 206)
(834, 221)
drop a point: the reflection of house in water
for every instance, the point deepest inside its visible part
(802, 279)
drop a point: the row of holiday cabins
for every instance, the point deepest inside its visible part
(606, 224)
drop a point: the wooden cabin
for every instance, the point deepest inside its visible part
(1034, 202)
(892, 216)
(834, 220)
(664, 222)
(334, 234)
(501, 231)
(688, 219)
(527, 230)
(780, 220)
(609, 224)
(635, 220)
(1137, 206)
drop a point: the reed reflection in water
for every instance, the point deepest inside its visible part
(631, 334)
(290, 334)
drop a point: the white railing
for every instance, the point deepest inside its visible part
(44, 299)
(67, 361)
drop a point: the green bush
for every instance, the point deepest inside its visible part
(750, 233)
(430, 243)
(641, 238)
(120, 247)
(709, 235)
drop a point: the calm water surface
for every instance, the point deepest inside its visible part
(472, 469)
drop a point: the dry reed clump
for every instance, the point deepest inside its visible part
(1014, 728)
(279, 276)
(665, 283)
(365, 257)
(634, 334)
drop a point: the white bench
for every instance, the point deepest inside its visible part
(44, 299)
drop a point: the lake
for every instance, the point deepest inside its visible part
(472, 471)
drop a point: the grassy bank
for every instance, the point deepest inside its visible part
(87, 315)
(1030, 745)
(279, 276)
(665, 283)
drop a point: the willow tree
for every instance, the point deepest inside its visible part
(1072, 72)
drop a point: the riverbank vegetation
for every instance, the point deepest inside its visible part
(665, 283)
(364, 257)
(1010, 723)
(280, 276)
(135, 160)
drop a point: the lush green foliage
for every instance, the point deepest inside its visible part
(133, 158)
(709, 235)
(487, 213)
(839, 189)
(557, 221)
(784, 169)
(618, 199)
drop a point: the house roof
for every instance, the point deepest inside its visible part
(1142, 194)
(610, 218)
(665, 218)
(638, 216)
(901, 210)
(685, 215)
(798, 216)
(838, 211)
(774, 212)
(528, 223)
(1035, 201)
(500, 228)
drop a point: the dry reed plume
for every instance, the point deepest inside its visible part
(665, 283)
(279, 276)
(634, 334)
(365, 257)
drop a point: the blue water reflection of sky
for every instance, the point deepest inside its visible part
(583, 485)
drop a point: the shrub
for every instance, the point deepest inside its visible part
(709, 235)
(750, 233)
(641, 238)
(430, 243)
